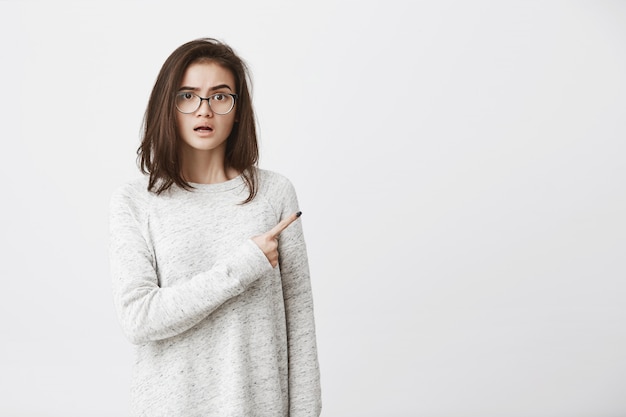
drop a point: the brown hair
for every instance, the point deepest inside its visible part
(158, 154)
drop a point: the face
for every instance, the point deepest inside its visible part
(203, 130)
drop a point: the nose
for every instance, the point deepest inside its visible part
(204, 110)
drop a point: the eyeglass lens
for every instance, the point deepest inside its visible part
(219, 103)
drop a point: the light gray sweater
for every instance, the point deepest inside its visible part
(218, 331)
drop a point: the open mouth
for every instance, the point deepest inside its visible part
(203, 129)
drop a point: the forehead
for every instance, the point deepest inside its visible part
(206, 74)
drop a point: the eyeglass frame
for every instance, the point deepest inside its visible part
(208, 100)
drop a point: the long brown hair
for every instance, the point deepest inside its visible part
(158, 154)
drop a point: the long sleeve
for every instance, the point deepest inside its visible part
(218, 330)
(148, 312)
(304, 377)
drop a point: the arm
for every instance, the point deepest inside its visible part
(304, 377)
(148, 312)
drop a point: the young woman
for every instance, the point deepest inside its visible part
(209, 266)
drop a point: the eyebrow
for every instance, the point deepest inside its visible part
(217, 87)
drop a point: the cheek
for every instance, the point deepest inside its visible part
(180, 123)
(230, 122)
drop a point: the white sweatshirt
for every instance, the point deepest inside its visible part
(219, 332)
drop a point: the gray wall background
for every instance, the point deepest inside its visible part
(460, 166)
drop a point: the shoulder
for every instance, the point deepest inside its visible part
(272, 182)
(132, 195)
(277, 189)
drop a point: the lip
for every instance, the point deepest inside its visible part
(203, 127)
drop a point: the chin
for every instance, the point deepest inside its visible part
(204, 145)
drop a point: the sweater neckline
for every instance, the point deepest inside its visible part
(218, 187)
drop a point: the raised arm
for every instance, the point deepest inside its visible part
(148, 312)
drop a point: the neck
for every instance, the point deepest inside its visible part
(206, 167)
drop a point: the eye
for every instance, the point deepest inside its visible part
(185, 96)
(219, 97)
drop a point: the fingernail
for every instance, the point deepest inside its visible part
(298, 214)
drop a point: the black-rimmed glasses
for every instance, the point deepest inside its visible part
(219, 103)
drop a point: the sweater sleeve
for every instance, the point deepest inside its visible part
(148, 312)
(304, 376)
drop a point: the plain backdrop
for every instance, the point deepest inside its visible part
(460, 166)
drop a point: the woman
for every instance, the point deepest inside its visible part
(209, 266)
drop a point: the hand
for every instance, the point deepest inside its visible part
(268, 241)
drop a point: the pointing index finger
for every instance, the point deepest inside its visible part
(283, 224)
